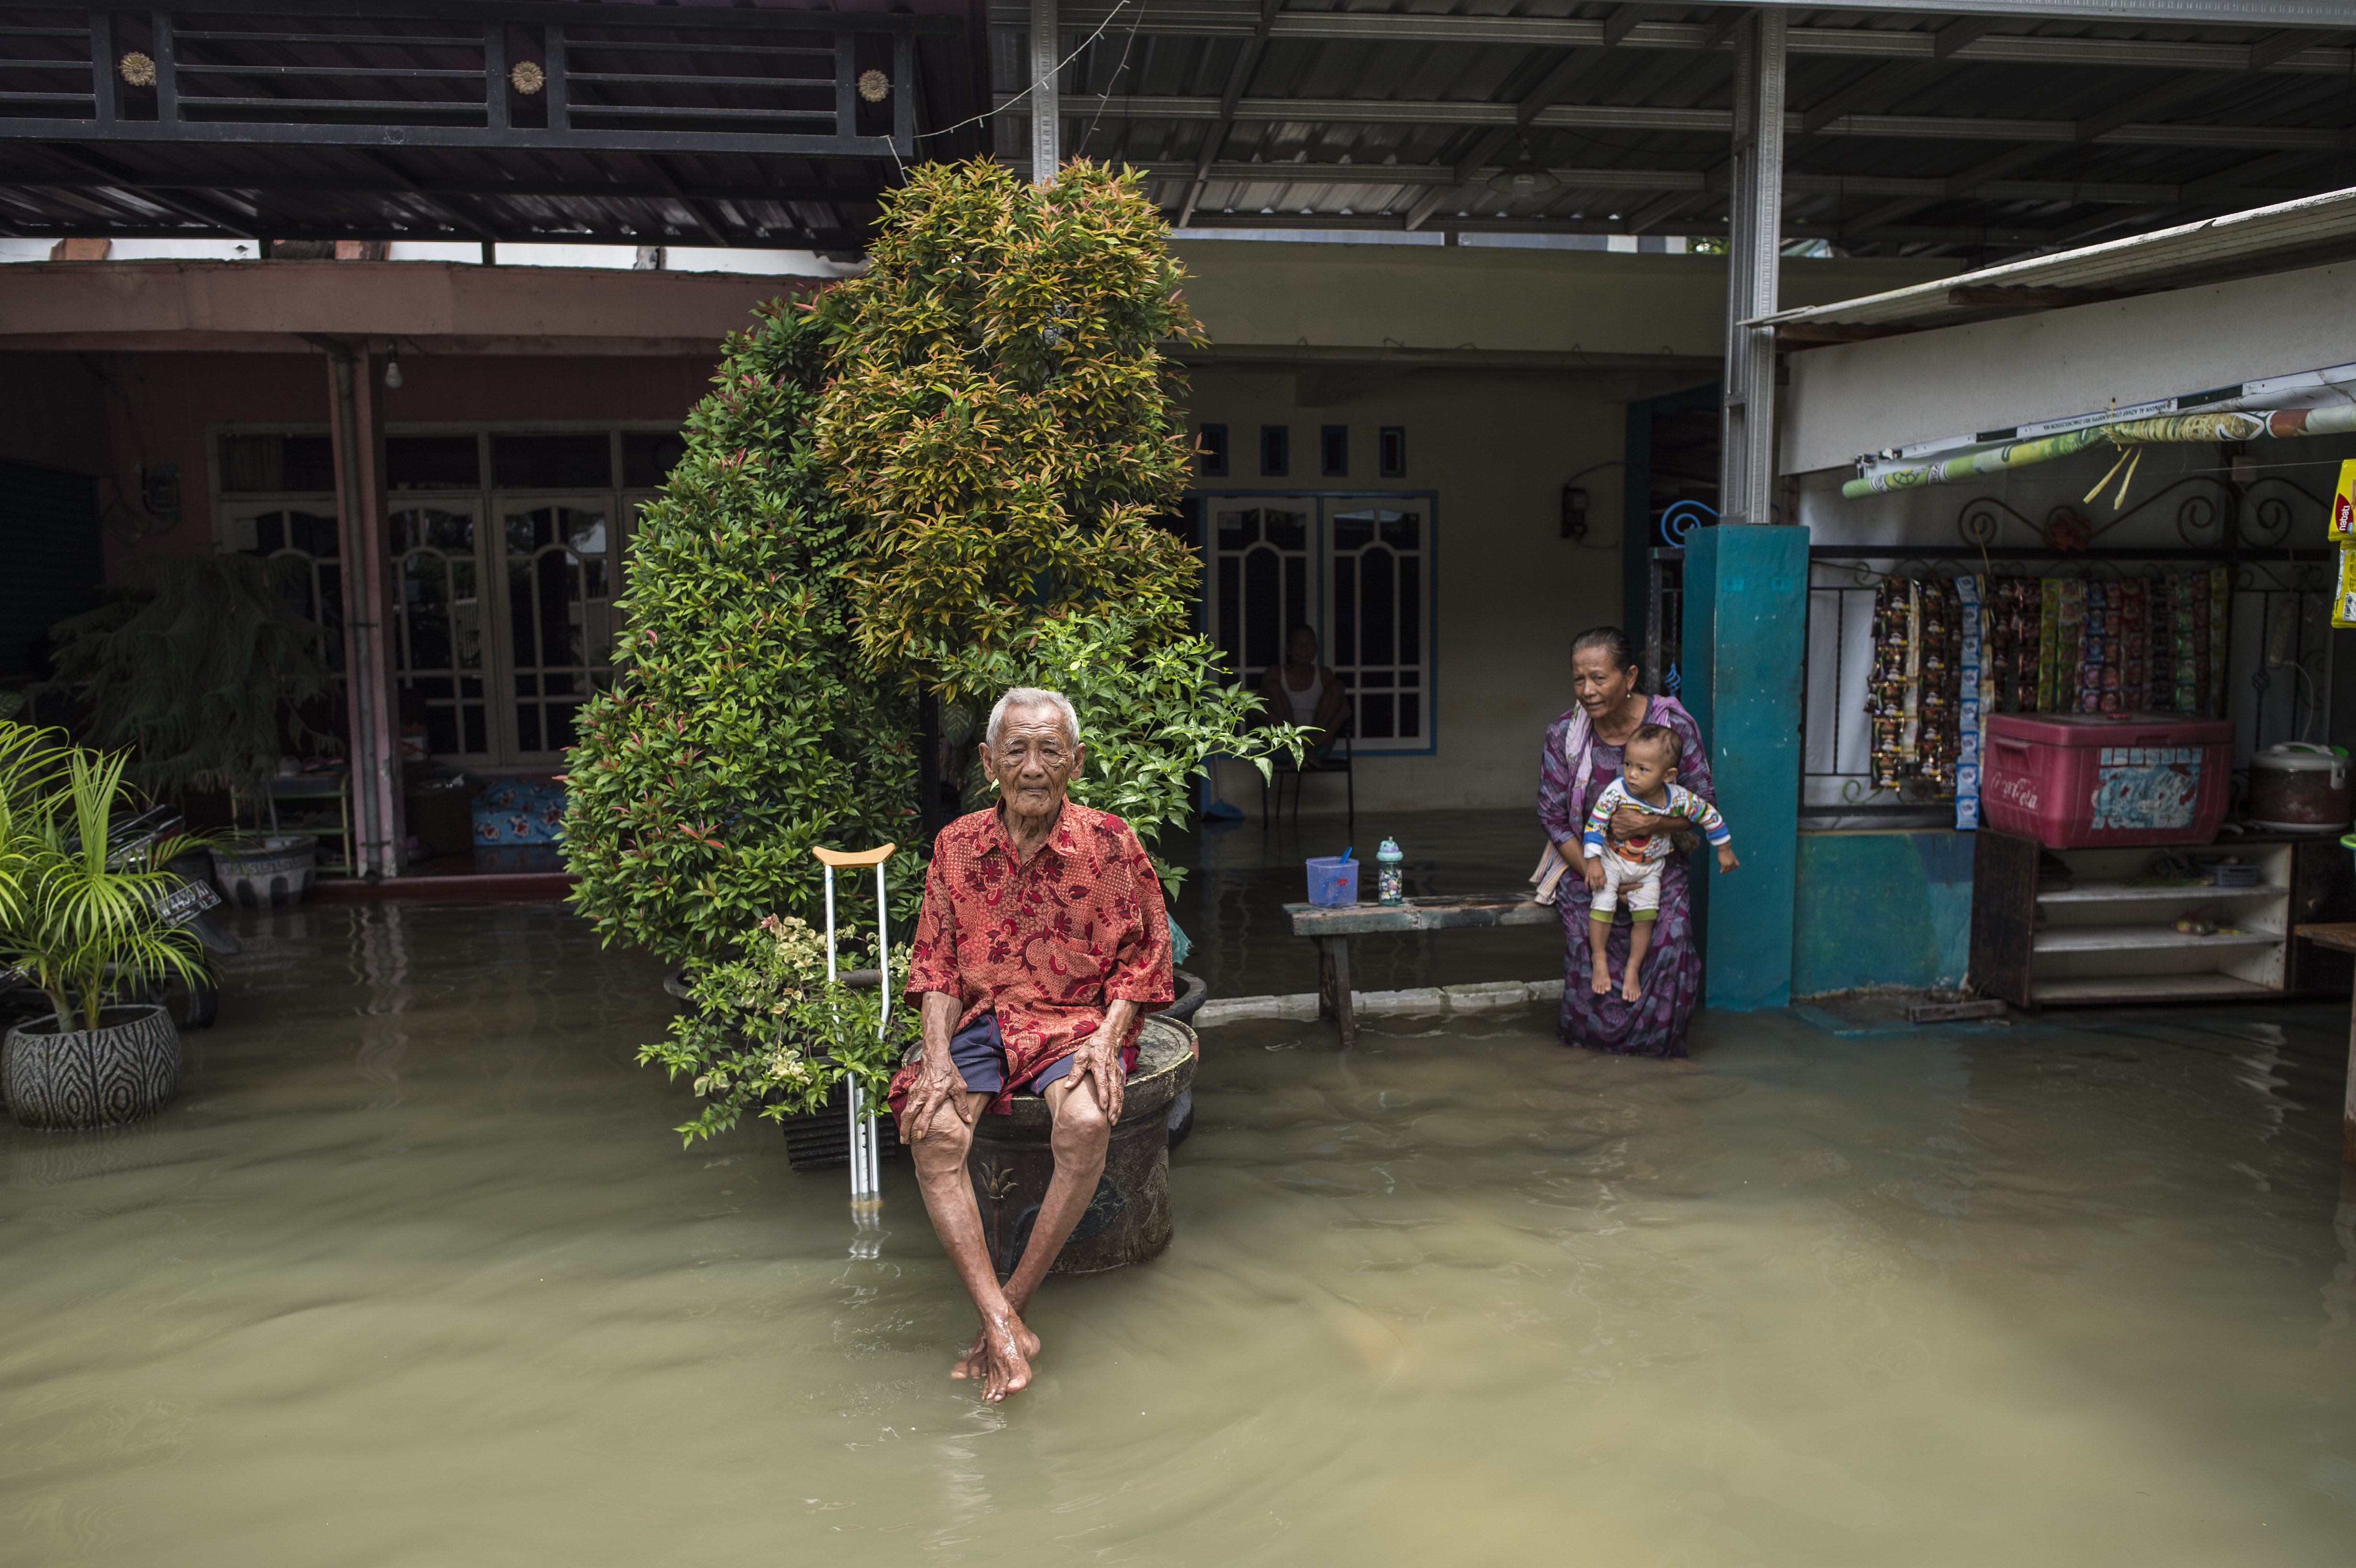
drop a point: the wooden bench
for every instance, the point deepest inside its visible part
(1331, 928)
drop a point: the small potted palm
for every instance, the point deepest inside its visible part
(87, 926)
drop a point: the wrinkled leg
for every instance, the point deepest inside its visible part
(1005, 1344)
(1082, 1134)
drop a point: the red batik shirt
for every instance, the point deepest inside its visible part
(1047, 946)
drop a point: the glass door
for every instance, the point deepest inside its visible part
(438, 624)
(1377, 645)
(311, 535)
(1260, 586)
(556, 574)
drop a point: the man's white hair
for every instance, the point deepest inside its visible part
(1032, 696)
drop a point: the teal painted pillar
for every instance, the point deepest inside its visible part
(1745, 635)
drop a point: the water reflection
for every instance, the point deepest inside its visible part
(415, 1271)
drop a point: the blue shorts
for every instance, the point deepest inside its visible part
(980, 1057)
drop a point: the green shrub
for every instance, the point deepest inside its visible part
(1003, 414)
(765, 1032)
(1002, 410)
(744, 728)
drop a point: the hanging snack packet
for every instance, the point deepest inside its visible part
(2343, 504)
(2343, 597)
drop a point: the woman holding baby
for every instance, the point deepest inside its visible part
(1584, 755)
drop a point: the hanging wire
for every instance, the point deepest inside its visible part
(1118, 5)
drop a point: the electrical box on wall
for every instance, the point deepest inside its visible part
(159, 484)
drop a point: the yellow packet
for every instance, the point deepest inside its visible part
(2343, 503)
(2343, 597)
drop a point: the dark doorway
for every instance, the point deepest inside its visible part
(1672, 490)
(48, 536)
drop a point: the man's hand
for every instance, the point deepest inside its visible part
(937, 1079)
(1098, 1056)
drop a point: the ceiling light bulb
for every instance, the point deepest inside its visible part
(392, 369)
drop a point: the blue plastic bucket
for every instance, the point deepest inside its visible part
(1333, 880)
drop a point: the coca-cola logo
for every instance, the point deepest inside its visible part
(2019, 790)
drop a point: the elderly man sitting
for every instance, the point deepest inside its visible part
(1043, 943)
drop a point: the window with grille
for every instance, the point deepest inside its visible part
(1356, 569)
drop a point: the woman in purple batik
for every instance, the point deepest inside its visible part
(1581, 758)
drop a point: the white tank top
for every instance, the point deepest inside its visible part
(1304, 703)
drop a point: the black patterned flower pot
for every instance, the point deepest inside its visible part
(125, 1069)
(1127, 1221)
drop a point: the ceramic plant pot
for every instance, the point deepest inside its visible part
(272, 872)
(1127, 1221)
(127, 1068)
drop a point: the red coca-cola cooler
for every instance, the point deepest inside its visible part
(2078, 781)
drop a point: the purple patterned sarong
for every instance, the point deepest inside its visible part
(1654, 1026)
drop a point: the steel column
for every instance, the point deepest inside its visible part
(1747, 431)
(1046, 124)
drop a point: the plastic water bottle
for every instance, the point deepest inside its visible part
(1387, 874)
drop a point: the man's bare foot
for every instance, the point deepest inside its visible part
(1009, 1369)
(1630, 991)
(975, 1362)
(1602, 981)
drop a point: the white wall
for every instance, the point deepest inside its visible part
(1854, 398)
(1511, 591)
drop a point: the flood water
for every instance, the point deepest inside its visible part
(414, 1274)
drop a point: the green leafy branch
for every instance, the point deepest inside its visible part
(768, 1033)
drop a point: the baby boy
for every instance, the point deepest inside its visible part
(1648, 779)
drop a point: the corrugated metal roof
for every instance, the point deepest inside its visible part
(1910, 132)
(2262, 241)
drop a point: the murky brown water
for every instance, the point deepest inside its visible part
(414, 1275)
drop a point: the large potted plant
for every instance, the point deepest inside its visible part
(944, 476)
(87, 932)
(202, 671)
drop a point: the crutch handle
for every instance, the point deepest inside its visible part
(858, 857)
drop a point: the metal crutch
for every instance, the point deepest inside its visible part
(866, 1170)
